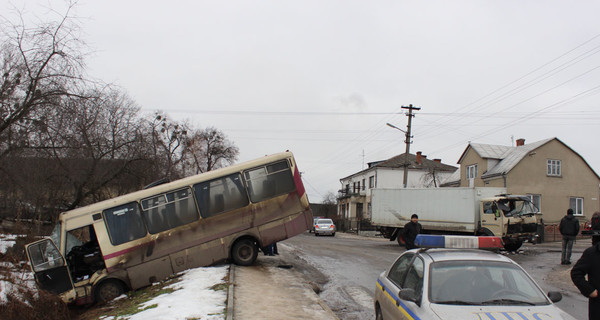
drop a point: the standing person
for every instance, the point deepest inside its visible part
(589, 264)
(569, 228)
(410, 231)
(596, 227)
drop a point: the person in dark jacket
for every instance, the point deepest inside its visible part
(569, 228)
(410, 232)
(589, 264)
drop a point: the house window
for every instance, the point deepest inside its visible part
(553, 168)
(353, 187)
(472, 171)
(363, 185)
(358, 186)
(372, 182)
(577, 205)
(536, 199)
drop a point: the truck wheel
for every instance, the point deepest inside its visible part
(484, 232)
(244, 252)
(108, 290)
(512, 245)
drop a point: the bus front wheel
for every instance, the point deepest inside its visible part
(108, 290)
(244, 252)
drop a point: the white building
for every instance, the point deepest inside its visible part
(354, 198)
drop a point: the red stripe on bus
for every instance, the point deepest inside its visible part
(118, 253)
(299, 184)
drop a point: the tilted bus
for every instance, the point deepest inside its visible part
(99, 251)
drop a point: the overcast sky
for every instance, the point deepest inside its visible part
(321, 78)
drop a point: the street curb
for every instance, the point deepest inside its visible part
(230, 293)
(327, 309)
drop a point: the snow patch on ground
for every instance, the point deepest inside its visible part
(193, 298)
(7, 241)
(12, 279)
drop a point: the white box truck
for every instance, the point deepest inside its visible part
(474, 211)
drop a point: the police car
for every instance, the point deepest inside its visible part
(440, 281)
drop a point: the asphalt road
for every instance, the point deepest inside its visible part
(345, 269)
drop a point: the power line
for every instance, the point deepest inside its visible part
(520, 78)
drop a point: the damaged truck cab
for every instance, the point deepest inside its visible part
(512, 217)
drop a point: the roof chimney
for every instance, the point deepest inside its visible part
(437, 160)
(520, 142)
(419, 159)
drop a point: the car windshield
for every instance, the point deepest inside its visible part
(325, 221)
(482, 283)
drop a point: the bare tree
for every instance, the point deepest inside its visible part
(329, 198)
(209, 149)
(431, 178)
(39, 66)
(167, 142)
(93, 141)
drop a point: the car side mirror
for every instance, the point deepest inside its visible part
(409, 294)
(555, 296)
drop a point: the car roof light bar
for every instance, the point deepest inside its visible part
(458, 242)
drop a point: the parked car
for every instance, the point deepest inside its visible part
(312, 229)
(441, 283)
(324, 226)
(592, 227)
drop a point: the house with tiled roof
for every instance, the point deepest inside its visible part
(555, 176)
(354, 197)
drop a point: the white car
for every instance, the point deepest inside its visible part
(462, 284)
(324, 226)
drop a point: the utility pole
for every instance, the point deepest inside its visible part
(363, 159)
(410, 115)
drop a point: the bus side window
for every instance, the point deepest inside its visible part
(181, 208)
(167, 211)
(221, 195)
(124, 223)
(269, 181)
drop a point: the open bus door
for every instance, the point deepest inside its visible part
(48, 265)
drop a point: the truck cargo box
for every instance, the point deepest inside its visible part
(449, 209)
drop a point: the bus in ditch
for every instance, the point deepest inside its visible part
(99, 251)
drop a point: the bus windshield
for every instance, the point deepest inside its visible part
(55, 235)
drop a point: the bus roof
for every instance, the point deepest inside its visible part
(180, 183)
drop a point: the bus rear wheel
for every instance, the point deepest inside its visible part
(244, 252)
(108, 290)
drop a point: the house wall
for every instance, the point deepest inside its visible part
(389, 178)
(471, 158)
(577, 180)
(394, 178)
